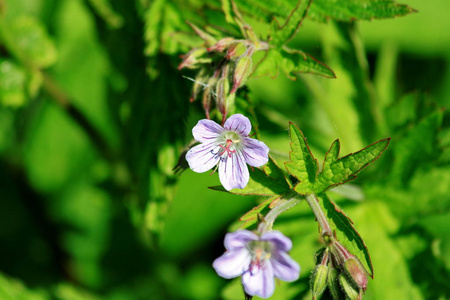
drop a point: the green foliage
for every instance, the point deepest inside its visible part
(94, 116)
(335, 170)
(343, 10)
(28, 40)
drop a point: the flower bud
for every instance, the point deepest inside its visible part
(222, 44)
(333, 283)
(236, 50)
(351, 292)
(192, 59)
(319, 280)
(199, 83)
(222, 89)
(319, 276)
(207, 95)
(350, 265)
(241, 72)
(356, 272)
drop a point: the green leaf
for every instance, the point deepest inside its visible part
(302, 165)
(295, 61)
(349, 10)
(27, 38)
(266, 10)
(291, 62)
(415, 148)
(335, 170)
(269, 181)
(281, 34)
(338, 171)
(346, 234)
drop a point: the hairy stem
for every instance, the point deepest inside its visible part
(313, 202)
(283, 206)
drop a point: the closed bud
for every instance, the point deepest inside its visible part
(319, 280)
(350, 265)
(192, 59)
(236, 50)
(350, 290)
(222, 89)
(199, 83)
(319, 276)
(222, 44)
(333, 283)
(241, 72)
(207, 95)
(356, 272)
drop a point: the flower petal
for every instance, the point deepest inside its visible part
(201, 158)
(255, 152)
(260, 282)
(239, 239)
(284, 267)
(281, 242)
(206, 131)
(232, 263)
(233, 172)
(239, 124)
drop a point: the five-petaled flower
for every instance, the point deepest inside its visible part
(258, 259)
(230, 147)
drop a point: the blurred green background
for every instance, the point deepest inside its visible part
(94, 115)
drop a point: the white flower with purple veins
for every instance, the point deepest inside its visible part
(258, 259)
(230, 147)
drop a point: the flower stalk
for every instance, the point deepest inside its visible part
(320, 216)
(285, 204)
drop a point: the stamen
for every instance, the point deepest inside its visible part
(227, 148)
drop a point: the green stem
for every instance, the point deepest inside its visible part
(283, 206)
(313, 202)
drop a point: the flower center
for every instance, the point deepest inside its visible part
(261, 251)
(228, 142)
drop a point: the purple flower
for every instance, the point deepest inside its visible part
(258, 259)
(230, 147)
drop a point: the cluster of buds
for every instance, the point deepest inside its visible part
(223, 67)
(341, 271)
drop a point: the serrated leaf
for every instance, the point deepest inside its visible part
(268, 182)
(281, 34)
(27, 38)
(295, 62)
(268, 65)
(338, 171)
(291, 62)
(302, 165)
(266, 10)
(335, 170)
(348, 10)
(346, 234)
